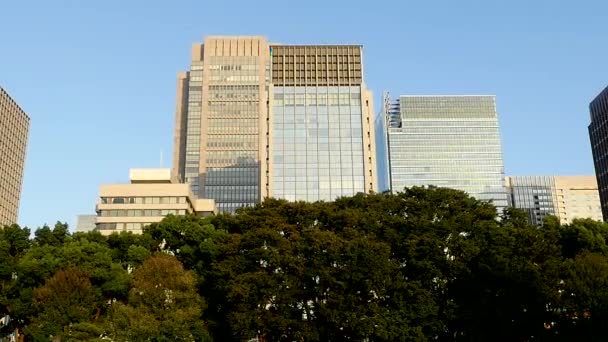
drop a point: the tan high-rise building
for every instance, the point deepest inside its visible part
(151, 195)
(256, 120)
(567, 197)
(14, 127)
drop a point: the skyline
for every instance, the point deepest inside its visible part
(540, 62)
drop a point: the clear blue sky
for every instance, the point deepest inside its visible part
(98, 77)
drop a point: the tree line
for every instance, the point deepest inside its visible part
(420, 265)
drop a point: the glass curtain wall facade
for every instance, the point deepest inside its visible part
(381, 124)
(536, 195)
(598, 135)
(448, 141)
(321, 137)
(317, 144)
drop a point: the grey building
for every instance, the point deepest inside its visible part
(598, 135)
(536, 195)
(448, 141)
(257, 120)
(85, 223)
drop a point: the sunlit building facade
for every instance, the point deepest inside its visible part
(258, 120)
(448, 141)
(566, 197)
(150, 195)
(14, 127)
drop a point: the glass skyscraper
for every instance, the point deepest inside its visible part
(448, 141)
(256, 120)
(598, 134)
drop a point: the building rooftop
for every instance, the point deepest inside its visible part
(150, 176)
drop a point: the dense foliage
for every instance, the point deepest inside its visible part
(424, 264)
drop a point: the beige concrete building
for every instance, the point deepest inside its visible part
(151, 195)
(256, 120)
(567, 197)
(14, 127)
(577, 197)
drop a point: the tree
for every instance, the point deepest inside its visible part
(584, 298)
(108, 279)
(67, 298)
(584, 235)
(14, 242)
(54, 237)
(163, 304)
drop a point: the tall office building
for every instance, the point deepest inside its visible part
(448, 141)
(598, 134)
(14, 126)
(258, 120)
(566, 197)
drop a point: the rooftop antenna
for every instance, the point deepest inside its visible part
(161, 159)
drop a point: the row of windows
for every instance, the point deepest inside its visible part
(334, 114)
(234, 96)
(122, 226)
(233, 145)
(451, 160)
(140, 212)
(426, 150)
(234, 78)
(357, 141)
(143, 200)
(317, 102)
(311, 195)
(229, 161)
(232, 130)
(229, 67)
(491, 131)
(289, 172)
(322, 54)
(317, 90)
(321, 149)
(314, 185)
(456, 122)
(331, 159)
(478, 185)
(223, 196)
(405, 136)
(470, 168)
(312, 124)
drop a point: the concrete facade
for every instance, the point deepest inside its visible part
(577, 197)
(85, 223)
(250, 113)
(151, 195)
(14, 127)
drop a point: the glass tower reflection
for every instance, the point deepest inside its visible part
(448, 141)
